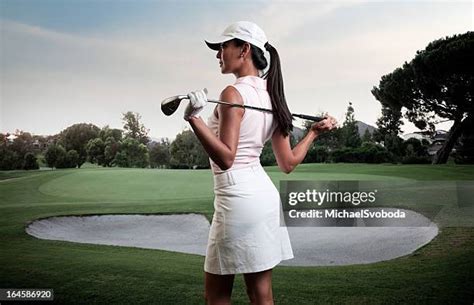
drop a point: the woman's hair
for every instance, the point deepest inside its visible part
(274, 84)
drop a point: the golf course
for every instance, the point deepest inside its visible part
(441, 272)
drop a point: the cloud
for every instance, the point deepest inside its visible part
(70, 78)
(283, 19)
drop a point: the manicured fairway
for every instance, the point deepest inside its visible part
(442, 272)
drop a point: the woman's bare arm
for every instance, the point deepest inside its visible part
(222, 149)
(288, 158)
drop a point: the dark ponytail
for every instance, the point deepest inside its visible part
(276, 91)
(274, 84)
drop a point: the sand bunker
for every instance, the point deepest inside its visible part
(187, 233)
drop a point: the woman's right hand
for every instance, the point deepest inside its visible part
(327, 124)
(197, 102)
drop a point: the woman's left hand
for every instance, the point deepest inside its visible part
(327, 124)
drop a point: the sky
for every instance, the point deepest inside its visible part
(84, 61)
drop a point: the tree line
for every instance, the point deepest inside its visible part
(346, 144)
(107, 147)
(131, 147)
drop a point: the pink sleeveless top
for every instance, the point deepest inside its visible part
(256, 127)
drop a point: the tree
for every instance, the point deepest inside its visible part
(134, 128)
(317, 154)
(350, 132)
(76, 137)
(160, 154)
(22, 144)
(202, 158)
(331, 140)
(107, 132)
(30, 161)
(415, 151)
(112, 147)
(72, 159)
(103, 149)
(95, 151)
(187, 152)
(132, 154)
(18, 154)
(55, 156)
(8, 159)
(394, 144)
(437, 83)
(267, 157)
(67, 159)
(465, 151)
(368, 152)
(389, 123)
(367, 137)
(393, 92)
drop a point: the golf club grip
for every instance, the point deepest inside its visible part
(308, 117)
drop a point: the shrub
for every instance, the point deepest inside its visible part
(368, 153)
(30, 161)
(317, 154)
(9, 159)
(416, 160)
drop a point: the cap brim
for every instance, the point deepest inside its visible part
(216, 46)
(213, 45)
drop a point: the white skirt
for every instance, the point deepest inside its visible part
(245, 234)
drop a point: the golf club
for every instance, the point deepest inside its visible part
(170, 105)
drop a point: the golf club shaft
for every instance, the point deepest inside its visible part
(301, 116)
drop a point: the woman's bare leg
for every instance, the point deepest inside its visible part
(218, 288)
(259, 287)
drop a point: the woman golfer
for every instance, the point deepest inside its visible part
(245, 235)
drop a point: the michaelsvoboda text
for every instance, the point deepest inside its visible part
(338, 213)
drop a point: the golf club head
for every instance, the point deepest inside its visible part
(170, 105)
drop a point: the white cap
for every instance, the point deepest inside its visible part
(243, 30)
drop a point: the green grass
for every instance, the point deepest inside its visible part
(442, 272)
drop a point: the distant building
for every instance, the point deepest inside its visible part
(11, 138)
(438, 139)
(419, 135)
(435, 139)
(155, 141)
